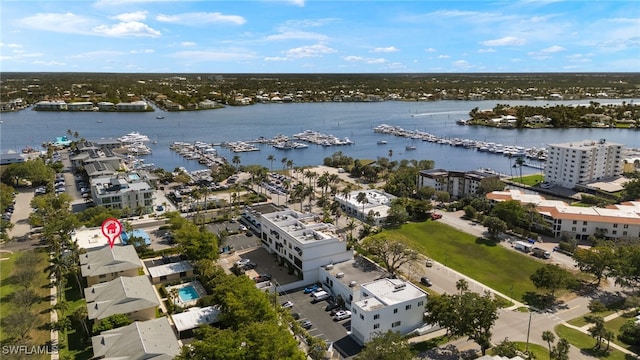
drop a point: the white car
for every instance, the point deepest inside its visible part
(341, 315)
(287, 304)
(243, 262)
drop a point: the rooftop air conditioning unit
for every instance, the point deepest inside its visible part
(353, 283)
(329, 267)
(340, 275)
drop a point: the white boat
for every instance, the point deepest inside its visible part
(410, 147)
(382, 142)
(133, 137)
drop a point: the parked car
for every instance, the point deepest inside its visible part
(295, 316)
(428, 263)
(335, 311)
(341, 315)
(243, 262)
(250, 265)
(331, 306)
(306, 324)
(435, 216)
(287, 304)
(311, 289)
(425, 281)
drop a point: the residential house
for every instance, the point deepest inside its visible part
(142, 340)
(133, 296)
(107, 263)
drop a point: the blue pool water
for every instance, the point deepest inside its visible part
(188, 293)
(134, 177)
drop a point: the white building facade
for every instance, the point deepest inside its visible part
(574, 163)
(378, 204)
(127, 190)
(387, 304)
(302, 243)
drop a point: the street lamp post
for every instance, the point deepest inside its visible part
(526, 349)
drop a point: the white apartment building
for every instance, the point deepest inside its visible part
(575, 163)
(613, 222)
(139, 105)
(126, 190)
(302, 242)
(378, 203)
(387, 304)
(457, 183)
(344, 280)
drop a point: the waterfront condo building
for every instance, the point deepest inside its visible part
(377, 203)
(387, 304)
(126, 190)
(302, 242)
(574, 163)
(457, 183)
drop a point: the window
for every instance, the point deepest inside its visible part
(584, 223)
(575, 222)
(395, 311)
(573, 228)
(626, 226)
(376, 326)
(615, 225)
(584, 230)
(408, 307)
(624, 233)
(396, 324)
(614, 232)
(361, 317)
(420, 303)
(376, 316)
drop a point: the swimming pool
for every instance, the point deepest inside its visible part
(188, 293)
(134, 177)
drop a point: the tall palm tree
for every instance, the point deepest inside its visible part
(549, 337)
(520, 163)
(271, 158)
(351, 225)
(284, 163)
(362, 199)
(236, 161)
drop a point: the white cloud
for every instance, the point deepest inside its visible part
(188, 43)
(376, 61)
(134, 16)
(298, 35)
(68, 23)
(309, 51)
(127, 29)
(489, 50)
(275, 58)
(504, 41)
(444, 56)
(388, 49)
(462, 63)
(430, 50)
(142, 51)
(353, 58)
(215, 55)
(297, 2)
(553, 49)
(11, 45)
(201, 18)
(48, 63)
(103, 54)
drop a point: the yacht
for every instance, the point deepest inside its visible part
(382, 142)
(410, 147)
(133, 137)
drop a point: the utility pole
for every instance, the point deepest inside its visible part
(526, 349)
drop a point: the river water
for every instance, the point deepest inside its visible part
(353, 120)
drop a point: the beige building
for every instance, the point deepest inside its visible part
(105, 264)
(132, 296)
(171, 272)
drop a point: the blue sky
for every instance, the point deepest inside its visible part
(318, 36)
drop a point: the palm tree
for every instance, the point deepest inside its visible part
(362, 199)
(390, 154)
(236, 161)
(284, 163)
(271, 158)
(520, 163)
(549, 337)
(351, 225)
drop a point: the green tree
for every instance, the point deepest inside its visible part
(490, 184)
(506, 348)
(494, 226)
(561, 350)
(549, 337)
(550, 277)
(631, 189)
(386, 346)
(393, 252)
(271, 158)
(362, 199)
(397, 215)
(598, 330)
(626, 269)
(596, 260)
(511, 212)
(111, 322)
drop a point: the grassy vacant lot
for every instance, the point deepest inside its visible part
(529, 180)
(480, 259)
(586, 344)
(39, 334)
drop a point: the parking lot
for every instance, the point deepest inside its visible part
(323, 325)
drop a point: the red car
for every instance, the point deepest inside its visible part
(436, 216)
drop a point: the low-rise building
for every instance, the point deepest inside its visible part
(343, 280)
(107, 263)
(377, 204)
(457, 183)
(139, 105)
(153, 339)
(387, 304)
(91, 238)
(613, 222)
(10, 158)
(131, 296)
(195, 317)
(54, 105)
(80, 106)
(171, 272)
(302, 242)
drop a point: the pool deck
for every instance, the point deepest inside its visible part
(185, 304)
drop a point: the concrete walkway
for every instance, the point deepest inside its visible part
(55, 355)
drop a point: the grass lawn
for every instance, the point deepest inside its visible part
(72, 341)
(493, 265)
(39, 334)
(615, 324)
(581, 321)
(539, 352)
(529, 180)
(586, 344)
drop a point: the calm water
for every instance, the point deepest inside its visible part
(353, 120)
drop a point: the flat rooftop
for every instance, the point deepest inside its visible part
(359, 270)
(304, 227)
(391, 291)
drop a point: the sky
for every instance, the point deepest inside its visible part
(319, 36)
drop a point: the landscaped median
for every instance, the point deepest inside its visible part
(587, 344)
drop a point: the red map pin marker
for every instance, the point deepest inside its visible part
(111, 228)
